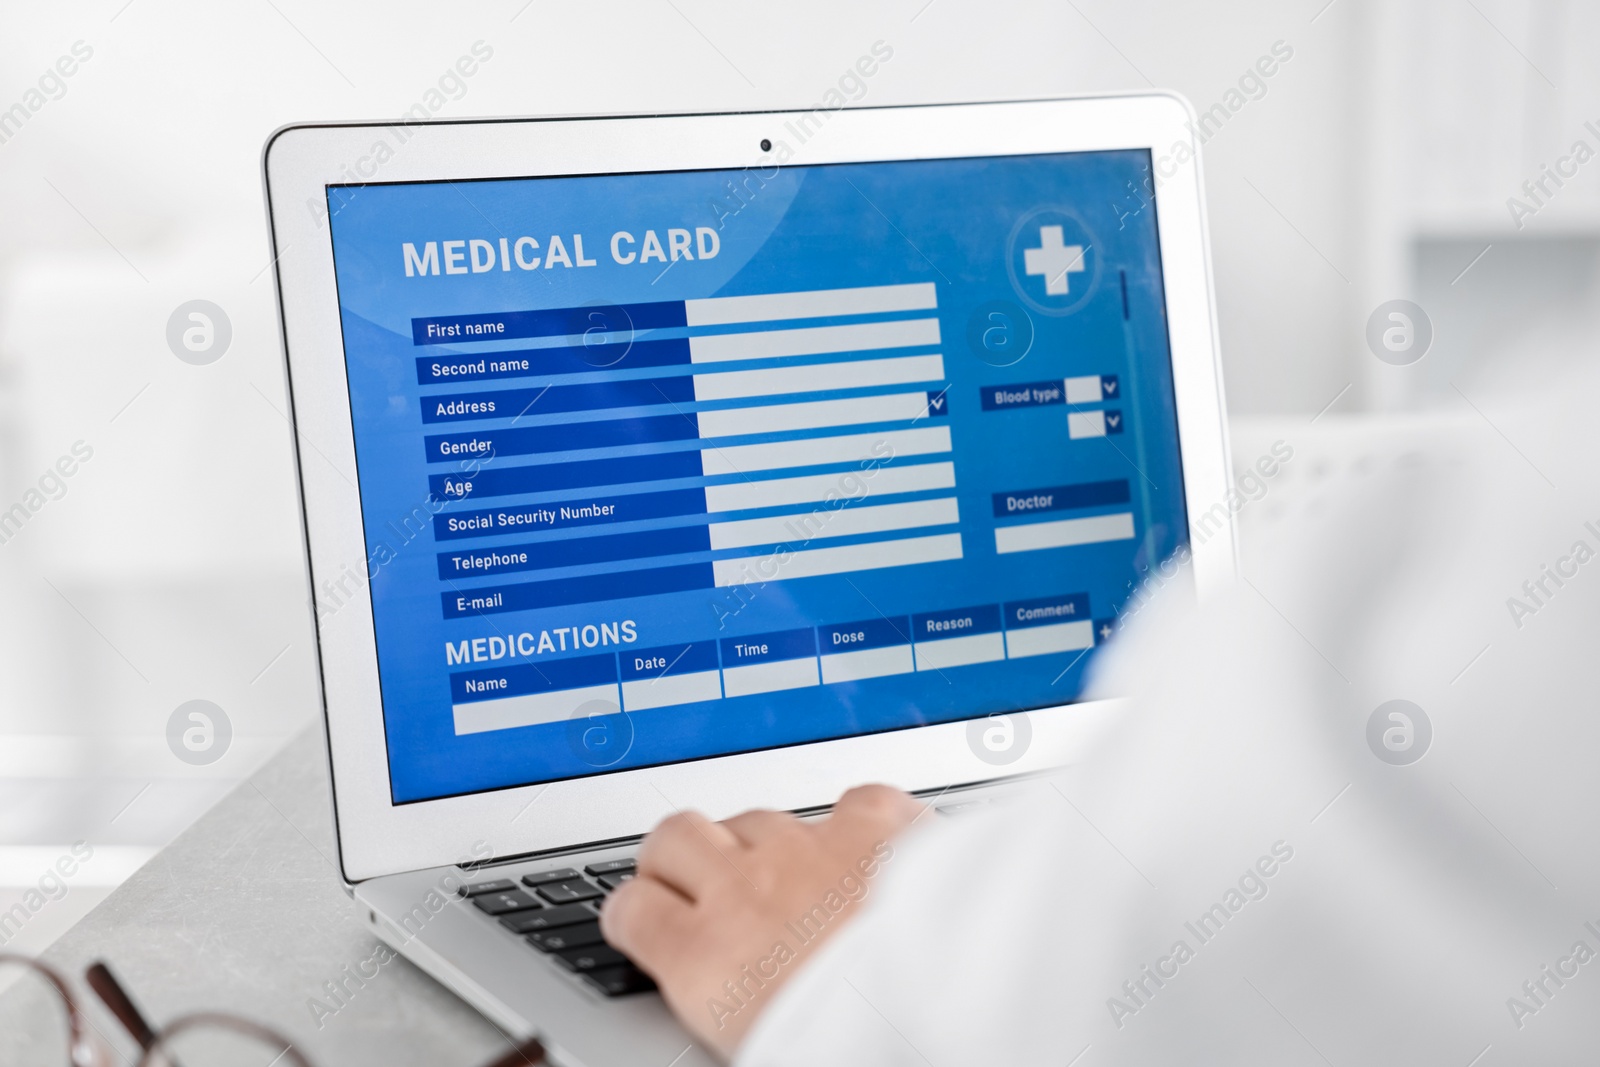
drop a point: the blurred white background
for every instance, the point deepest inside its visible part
(1375, 163)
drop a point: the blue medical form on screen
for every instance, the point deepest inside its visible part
(655, 467)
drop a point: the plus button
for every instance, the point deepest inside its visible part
(1053, 259)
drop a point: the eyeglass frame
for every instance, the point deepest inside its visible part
(81, 1051)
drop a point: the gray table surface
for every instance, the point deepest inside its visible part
(244, 912)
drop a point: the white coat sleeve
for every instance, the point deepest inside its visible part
(1236, 873)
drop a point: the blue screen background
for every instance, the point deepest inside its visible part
(964, 226)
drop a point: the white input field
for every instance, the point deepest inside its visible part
(1064, 533)
(815, 304)
(960, 651)
(529, 709)
(814, 414)
(1082, 424)
(808, 488)
(1084, 390)
(770, 677)
(813, 340)
(861, 374)
(671, 689)
(813, 451)
(1043, 640)
(842, 559)
(834, 522)
(866, 663)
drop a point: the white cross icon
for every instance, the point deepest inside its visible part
(1054, 260)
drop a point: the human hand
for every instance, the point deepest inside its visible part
(721, 914)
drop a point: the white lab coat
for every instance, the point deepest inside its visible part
(1406, 906)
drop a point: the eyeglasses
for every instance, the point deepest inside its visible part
(198, 1039)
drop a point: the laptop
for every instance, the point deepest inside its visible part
(715, 462)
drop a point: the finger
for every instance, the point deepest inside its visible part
(755, 827)
(888, 809)
(688, 852)
(647, 921)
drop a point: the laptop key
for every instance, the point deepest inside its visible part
(589, 958)
(550, 918)
(562, 875)
(619, 981)
(610, 867)
(520, 922)
(568, 892)
(611, 881)
(477, 889)
(565, 937)
(501, 903)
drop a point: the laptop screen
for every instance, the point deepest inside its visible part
(656, 467)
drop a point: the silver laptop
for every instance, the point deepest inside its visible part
(714, 462)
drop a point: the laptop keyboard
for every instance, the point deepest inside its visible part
(558, 913)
